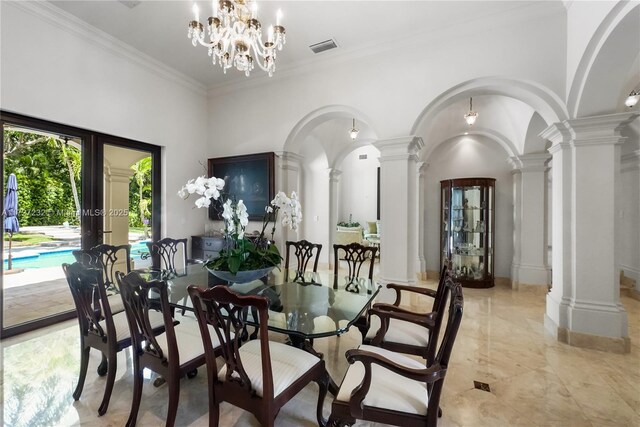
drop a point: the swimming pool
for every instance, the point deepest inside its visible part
(56, 257)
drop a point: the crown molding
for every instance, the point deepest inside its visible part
(73, 25)
(420, 38)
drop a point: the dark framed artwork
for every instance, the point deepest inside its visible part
(248, 178)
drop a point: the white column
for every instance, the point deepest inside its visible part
(421, 219)
(116, 199)
(334, 181)
(583, 307)
(529, 265)
(398, 204)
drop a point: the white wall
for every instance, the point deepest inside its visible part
(391, 89)
(465, 157)
(50, 71)
(358, 186)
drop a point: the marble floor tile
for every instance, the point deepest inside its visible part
(534, 379)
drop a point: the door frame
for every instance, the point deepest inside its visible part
(92, 195)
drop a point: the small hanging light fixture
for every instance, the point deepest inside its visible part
(633, 98)
(353, 133)
(471, 116)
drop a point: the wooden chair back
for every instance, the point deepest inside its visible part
(356, 257)
(303, 251)
(106, 257)
(90, 299)
(249, 384)
(226, 311)
(140, 297)
(164, 252)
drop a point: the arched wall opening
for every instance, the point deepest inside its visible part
(334, 180)
(464, 157)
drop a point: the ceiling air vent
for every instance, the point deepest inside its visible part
(362, 157)
(322, 46)
(130, 3)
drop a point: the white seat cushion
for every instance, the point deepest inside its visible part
(388, 390)
(400, 332)
(188, 340)
(122, 326)
(287, 365)
(115, 303)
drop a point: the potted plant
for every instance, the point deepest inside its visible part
(243, 259)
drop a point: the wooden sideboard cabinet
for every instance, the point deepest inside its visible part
(205, 247)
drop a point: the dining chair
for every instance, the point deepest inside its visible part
(356, 257)
(175, 353)
(404, 331)
(303, 251)
(108, 258)
(99, 328)
(165, 251)
(259, 376)
(392, 388)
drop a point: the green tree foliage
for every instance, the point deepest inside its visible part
(42, 165)
(140, 194)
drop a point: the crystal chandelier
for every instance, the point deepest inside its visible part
(353, 133)
(234, 36)
(471, 116)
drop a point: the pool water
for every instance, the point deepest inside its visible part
(57, 257)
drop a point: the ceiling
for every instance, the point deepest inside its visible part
(159, 28)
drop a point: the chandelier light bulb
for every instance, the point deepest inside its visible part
(632, 99)
(196, 12)
(471, 116)
(353, 133)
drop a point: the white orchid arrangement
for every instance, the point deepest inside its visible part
(243, 254)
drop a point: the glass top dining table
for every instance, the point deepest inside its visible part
(304, 306)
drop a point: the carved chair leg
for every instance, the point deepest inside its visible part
(173, 383)
(137, 393)
(214, 412)
(102, 367)
(112, 367)
(84, 364)
(323, 384)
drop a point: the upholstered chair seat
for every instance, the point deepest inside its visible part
(388, 390)
(400, 332)
(288, 364)
(122, 326)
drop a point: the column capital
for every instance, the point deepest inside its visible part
(557, 133)
(422, 168)
(533, 162)
(334, 174)
(399, 148)
(119, 172)
(599, 130)
(288, 156)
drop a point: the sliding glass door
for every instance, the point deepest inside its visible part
(64, 189)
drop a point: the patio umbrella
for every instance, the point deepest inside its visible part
(11, 211)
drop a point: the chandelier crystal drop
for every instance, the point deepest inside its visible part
(353, 133)
(471, 116)
(234, 36)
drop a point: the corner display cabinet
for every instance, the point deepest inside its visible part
(467, 230)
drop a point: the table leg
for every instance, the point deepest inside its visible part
(307, 345)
